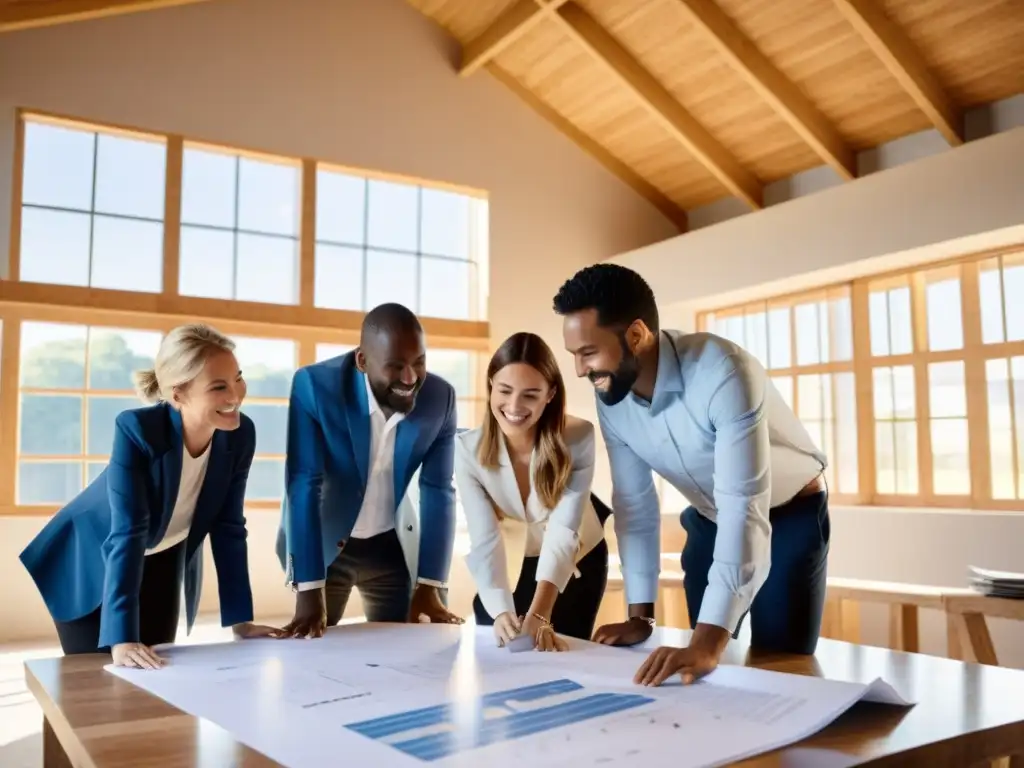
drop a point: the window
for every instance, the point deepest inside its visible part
(933, 390)
(1001, 296)
(92, 207)
(239, 227)
(920, 399)
(379, 241)
(74, 380)
(238, 238)
(325, 351)
(94, 201)
(268, 366)
(806, 345)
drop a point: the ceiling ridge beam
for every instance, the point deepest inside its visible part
(774, 87)
(18, 16)
(892, 45)
(661, 104)
(631, 178)
(511, 25)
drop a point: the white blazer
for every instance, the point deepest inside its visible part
(499, 524)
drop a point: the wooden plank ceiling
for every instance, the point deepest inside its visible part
(690, 101)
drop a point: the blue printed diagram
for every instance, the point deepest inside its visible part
(433, 733)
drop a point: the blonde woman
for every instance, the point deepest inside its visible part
(524, 478)
(111, 564)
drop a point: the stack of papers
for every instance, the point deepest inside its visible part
(997, 583)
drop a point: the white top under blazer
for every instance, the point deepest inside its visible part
(502, 531)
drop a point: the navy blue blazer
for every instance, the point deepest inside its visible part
(329, 458)
(91, 553)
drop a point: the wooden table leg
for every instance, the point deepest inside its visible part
(849, 621)
(954, 641)
(980, 640)
(903, 633)
(54, 755)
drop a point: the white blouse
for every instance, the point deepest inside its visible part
(193, 473)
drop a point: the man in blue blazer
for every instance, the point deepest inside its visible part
(359, 427)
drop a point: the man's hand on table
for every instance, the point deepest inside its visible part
(247, 630)
(310, 617)
(632, 632)
(426, 601)
(706, 646)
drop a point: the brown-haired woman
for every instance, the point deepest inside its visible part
(524, 479)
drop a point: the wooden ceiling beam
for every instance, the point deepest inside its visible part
(661, 104)
(631, 178)
(774, 87)
(510, 26)
(903, 60)
(15, 16)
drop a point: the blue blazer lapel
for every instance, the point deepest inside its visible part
(357, 412)
(170, 470)
(405, 440)
(211, 496)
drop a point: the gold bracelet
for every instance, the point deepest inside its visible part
(543, 620)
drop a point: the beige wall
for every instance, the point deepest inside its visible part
(944, 202)
(364, 83)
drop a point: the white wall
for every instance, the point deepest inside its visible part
(922, 201)
(954, 200)
(365, 84)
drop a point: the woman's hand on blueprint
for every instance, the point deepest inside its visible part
(506, 627)
(544, 637)
(135, 655)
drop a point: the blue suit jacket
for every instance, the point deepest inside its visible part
(329, 458)
(91, 553)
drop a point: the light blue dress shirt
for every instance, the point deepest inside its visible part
(717, 430)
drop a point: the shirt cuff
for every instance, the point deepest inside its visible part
(558, 556)
(497, 602)
(641, 586)
(431, 582)
(305, 586)
(721, 608)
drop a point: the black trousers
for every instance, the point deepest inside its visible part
(376, 567)
(786, 613)
(575, 611)
(159, 606)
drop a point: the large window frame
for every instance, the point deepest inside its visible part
(303, 323)
(916, 358)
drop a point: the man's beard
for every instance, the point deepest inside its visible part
(388, 398)
(621, 380)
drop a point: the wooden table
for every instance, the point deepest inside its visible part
(966, 714)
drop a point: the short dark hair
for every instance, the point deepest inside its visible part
(618, 294)
(389, 318)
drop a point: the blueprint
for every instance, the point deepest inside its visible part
(436, 695)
